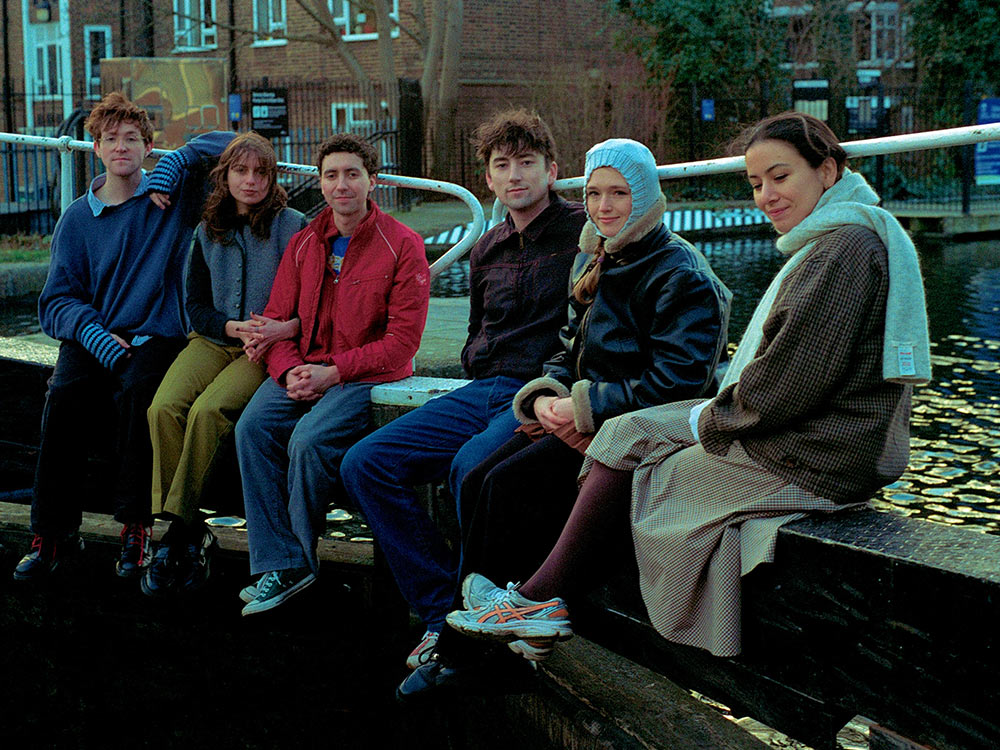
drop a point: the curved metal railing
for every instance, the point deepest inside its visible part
(950, 137)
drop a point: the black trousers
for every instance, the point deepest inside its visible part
(517, 500)
(83, 399)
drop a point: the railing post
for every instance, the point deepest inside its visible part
(968, 152)
(65, 173)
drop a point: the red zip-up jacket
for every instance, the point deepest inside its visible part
(379, 304)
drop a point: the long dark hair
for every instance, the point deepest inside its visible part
(811, 137)
(220, 215)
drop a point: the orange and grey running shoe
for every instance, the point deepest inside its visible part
(479, 591)
(512, 617)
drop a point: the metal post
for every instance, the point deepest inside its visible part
(692, 124)
(968, 154)
(65, 173)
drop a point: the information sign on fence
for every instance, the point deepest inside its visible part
(269, 112)
(988, 152)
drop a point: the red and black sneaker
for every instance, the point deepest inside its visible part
(45, 555)
(137, 550)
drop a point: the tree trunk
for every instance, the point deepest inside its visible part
(386, 64)
(432, 60)
(443, 127)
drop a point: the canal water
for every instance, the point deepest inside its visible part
(954, 472)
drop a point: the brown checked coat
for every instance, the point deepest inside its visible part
(810, 426)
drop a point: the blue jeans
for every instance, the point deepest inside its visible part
(447, 436)
(289, 453)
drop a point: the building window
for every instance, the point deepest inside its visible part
(96, 45)
(269, 22)
(357, 22)
(48, 70)
(194, 25)
(350, 117)
(880, 35)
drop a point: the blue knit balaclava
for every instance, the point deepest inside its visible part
(636, 164)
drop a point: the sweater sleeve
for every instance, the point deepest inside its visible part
(65, 310)
(408, 301)
(808, 340)
(205, 319)
(169, 172)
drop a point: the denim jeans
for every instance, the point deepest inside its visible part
(289, 453)
(447, 436)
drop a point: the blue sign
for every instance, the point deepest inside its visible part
(235, 108)
(708, 110)
(988, 153)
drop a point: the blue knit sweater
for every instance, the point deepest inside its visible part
(121, 270)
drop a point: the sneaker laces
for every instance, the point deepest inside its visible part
(266, 582)
(501, 595)
(130, 532)
(39, 545)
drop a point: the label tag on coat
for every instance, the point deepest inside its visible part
(907, 365)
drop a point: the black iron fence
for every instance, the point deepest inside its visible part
(29, 176)
(678, 126)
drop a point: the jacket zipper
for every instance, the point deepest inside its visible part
(581, 334)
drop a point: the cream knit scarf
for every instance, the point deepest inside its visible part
(851, 200)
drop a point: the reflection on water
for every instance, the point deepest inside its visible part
(955, 457)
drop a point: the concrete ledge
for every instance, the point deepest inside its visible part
(22, 279)
(414, 391)
(97, 527)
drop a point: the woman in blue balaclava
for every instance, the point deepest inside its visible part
(647, 325)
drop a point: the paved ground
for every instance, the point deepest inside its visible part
(433, 217)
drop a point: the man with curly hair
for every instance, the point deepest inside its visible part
(114, 299)
(519, 273)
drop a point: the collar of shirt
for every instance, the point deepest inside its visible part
(97, 205)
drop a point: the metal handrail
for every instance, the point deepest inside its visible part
(67, 145)
(949, 137)
(893, 144)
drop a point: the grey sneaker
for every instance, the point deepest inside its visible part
(478, 591)
(514, 617)
(278, 586)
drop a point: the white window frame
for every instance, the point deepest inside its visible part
(340, 10)
(42, 71)
(878, 14)
(89, 79)
(276, 26)
(351, 124)
(192, 32)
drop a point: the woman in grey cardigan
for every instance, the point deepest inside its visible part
(234, 256)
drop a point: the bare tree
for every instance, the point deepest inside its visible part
(435, 26)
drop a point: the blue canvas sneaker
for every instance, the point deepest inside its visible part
(277, 586)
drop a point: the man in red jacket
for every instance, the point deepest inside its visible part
(358, 282)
